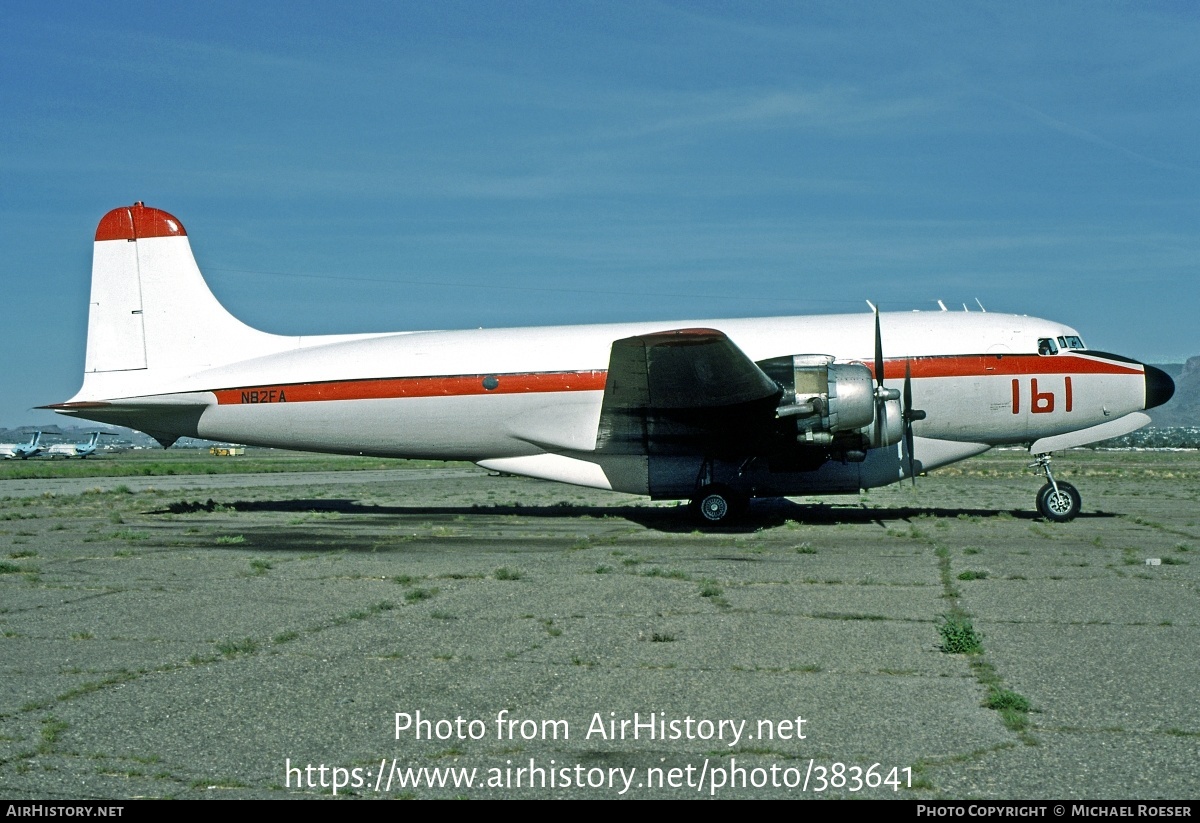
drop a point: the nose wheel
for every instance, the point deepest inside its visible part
(1057, 501)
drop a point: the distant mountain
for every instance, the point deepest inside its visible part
(1184, 408)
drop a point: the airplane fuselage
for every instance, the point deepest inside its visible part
(762, 406)
(492, 394)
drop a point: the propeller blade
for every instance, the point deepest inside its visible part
(910, 414)
(878, 352)
(908, 433)
(880, 404)
(882, 395)
(881, 427)
(907, 385)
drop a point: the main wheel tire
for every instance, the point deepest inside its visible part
(1059, 506)
(717, 504)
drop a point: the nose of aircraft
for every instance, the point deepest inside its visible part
(1159, 387)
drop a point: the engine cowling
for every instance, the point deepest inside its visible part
(834, 403)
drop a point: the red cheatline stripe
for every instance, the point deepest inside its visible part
(984, 365)
(987, 365)
(394, 387)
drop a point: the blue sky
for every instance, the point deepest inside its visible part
(395, 166)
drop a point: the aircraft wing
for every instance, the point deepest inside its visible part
(683, 388)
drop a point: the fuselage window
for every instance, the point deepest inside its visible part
(1046, 346)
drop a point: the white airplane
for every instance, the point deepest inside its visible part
(713, 411)
(81, 450)
(22, 451)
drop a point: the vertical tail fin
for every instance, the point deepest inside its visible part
(152, 318)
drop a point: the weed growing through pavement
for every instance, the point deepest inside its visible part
(959, 635)
(417, 595)
(1013, 708)
(232, 648)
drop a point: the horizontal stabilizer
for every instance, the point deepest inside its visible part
(165, 418)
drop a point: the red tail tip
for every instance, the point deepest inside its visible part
(137, 221)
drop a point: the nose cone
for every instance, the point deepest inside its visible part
(1159, 387)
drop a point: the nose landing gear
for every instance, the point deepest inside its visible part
(1057, 501)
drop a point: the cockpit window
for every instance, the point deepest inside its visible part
(1071, 342)
(1046, 345)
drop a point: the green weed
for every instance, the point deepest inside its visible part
(232, 648)
(1013, 708)
(959, 635)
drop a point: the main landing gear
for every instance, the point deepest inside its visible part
(1057, 500)
(717, 504)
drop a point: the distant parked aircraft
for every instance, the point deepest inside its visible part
(22, 451)
(74, 449)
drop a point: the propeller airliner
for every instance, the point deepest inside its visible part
(714, 411)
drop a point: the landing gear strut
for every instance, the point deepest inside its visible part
(1057, 500)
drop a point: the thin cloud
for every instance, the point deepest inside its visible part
(828, 109)
(1081, 133)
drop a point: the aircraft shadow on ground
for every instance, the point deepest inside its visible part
(678, 519)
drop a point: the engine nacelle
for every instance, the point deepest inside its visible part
(834, 403)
